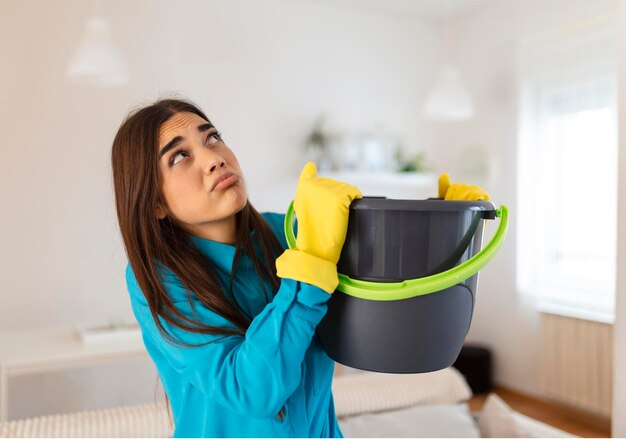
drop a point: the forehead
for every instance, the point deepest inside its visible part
(178, 124)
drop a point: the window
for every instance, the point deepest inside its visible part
(567, 169)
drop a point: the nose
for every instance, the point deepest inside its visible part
(212, 162)
(215, 164)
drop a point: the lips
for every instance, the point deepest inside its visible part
(221, 178)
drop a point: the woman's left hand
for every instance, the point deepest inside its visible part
(460, 191)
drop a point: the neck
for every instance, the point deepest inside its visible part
(224, 231)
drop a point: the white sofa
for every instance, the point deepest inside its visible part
(425, 405)
(367, 405)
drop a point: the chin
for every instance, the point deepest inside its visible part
(238, 202)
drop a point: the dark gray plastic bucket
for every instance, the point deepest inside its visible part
(390, 241)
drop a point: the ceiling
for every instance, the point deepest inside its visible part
(428, 10)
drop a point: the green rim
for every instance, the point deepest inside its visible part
(415, 287)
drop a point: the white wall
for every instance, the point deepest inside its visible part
(486, 45)
(619, 329)
(263, 71)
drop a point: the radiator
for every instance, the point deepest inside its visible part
(577, 363)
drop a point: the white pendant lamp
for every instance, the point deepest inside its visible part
(97, 60)
(449, 99)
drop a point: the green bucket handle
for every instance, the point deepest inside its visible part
(420, 286)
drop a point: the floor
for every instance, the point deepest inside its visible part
(562, 417)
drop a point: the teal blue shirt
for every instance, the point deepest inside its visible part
(236, 385)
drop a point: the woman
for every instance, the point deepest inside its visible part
(227, 313)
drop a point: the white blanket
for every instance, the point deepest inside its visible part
(367, 404)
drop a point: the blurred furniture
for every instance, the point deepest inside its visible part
(474, 362)
(40, 350)
(367, 405)
(398, 185)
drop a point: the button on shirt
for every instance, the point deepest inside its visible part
(236, 385)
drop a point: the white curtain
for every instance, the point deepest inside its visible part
(567, 188)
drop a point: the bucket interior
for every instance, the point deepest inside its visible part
(390, 245)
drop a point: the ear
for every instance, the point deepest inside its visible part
(160, 212)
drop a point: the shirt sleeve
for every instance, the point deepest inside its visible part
(252, 374)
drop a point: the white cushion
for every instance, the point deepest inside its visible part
(539, 429)
(369, 392)
(497, 419)
(450, 420)
(146, 420)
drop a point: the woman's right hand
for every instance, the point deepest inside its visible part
(322, 207)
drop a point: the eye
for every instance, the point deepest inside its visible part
(173, 160)
(214, 137)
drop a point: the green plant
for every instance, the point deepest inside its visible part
(414, 163)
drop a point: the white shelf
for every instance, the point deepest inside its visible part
(50, 349)
(408, 186)
(414, 179)
(110, 333)
(398, 185)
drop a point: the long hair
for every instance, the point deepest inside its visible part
(149, 241)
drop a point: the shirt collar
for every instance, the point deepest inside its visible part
(221, 254)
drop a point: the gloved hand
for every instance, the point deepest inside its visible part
(459, 191)
(322, 208)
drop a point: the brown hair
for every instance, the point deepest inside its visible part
(149, 241)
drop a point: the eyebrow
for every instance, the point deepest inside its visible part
(176, 140)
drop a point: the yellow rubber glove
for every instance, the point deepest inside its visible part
(322, 207)
(459, 191)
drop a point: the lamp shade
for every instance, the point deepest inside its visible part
(96, 59)
(449, 99)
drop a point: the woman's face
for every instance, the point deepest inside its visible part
(192, 157)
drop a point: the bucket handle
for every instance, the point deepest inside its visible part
(420, 286)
